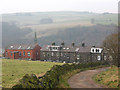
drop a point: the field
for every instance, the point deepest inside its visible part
(61, 21)
(108, 78)
(14, 70)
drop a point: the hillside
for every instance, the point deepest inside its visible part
(28, 19)
(57, 26)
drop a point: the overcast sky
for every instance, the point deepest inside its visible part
(99, 6)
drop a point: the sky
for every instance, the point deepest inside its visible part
(98, 6)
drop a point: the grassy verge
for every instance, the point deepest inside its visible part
(14, 70)
(108, 78)
(64, 78)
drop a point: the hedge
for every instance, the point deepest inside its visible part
(52, 77)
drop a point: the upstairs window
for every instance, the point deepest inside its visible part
(19, 53)
(6, 53)
(11, 53)
(37, 53)
(97, 50)
(23, 53)
(28, 53)
(98, 58)
(52, 54)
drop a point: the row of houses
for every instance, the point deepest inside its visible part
(60, 53)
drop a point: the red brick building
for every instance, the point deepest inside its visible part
(24, 51)
(27, 51)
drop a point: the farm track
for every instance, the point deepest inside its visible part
(84, 79)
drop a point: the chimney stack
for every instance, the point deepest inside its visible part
(63, 44)
(83, 44)
(93, 46)
(53, 43)
(73, 44)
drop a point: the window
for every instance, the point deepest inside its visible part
(11, 53)
(6, 53)
(78, 56)
(37, 53)
(23, 53)
(98, 58)
(19, 47)
(44, 55)
(93, 50)
(19, 53)
(57, 54)
(68, 57)
(105, 58)
(28, 53)
(97, 50)
(52, 54)
(61, 54)
(48, 54)
(11, 46)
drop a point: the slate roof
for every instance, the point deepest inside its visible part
(21, 46)
(70, 49)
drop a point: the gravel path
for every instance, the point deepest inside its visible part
(84, 79)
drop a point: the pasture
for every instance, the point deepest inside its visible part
(14, 70)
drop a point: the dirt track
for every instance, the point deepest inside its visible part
(84, 79)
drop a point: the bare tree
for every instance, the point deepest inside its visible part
(110, 44)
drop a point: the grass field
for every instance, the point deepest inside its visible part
(14, 70)
(108, 78)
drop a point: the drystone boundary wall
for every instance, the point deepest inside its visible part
(52, 77)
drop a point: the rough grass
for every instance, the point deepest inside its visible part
(14, 70)
(108, 78)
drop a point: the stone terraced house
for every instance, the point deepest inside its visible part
(72, 53)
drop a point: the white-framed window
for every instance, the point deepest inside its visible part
(11, 54)
(61, 54)
(68, 57)
(28, 53)
(23, 53)
(19, 53)
(37, 53)
(6, 53)
(98, 58)
(52, 54)
(44, 55)
(105, 58)
(78, 55)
